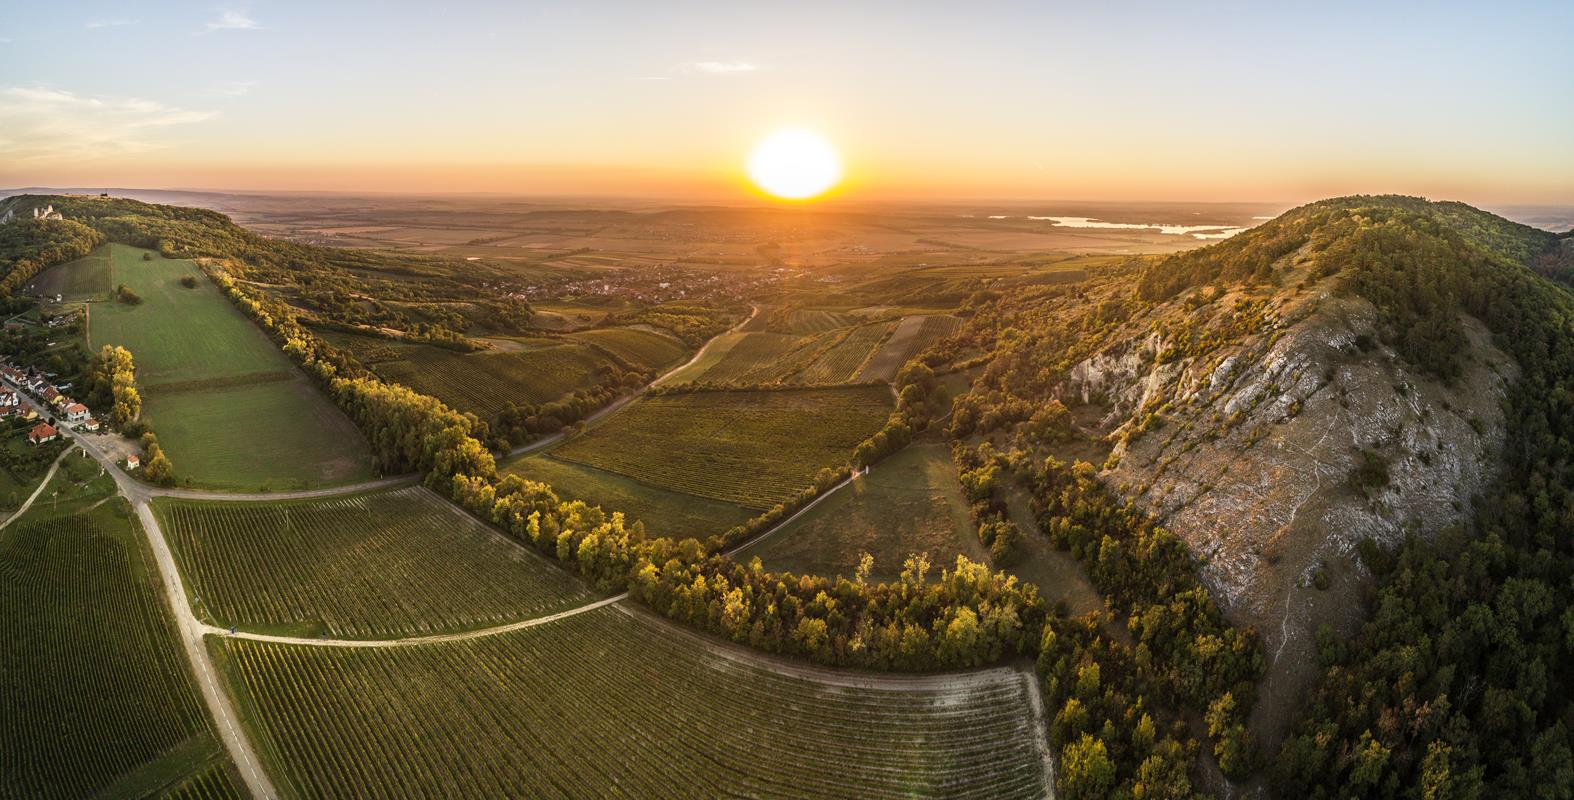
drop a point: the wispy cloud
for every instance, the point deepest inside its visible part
(110, 23)
(718, 67)
(231, 21)
(232, 88)
(47, 125)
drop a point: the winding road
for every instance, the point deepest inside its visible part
(612, 407)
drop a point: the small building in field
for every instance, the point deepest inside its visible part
(133, 461)
(90, 425)
(76, 412)
(42, 432)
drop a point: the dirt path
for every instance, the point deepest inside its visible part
(612, 407)
(302, 494)
(48, 476)
(226, 720)
(800, 512)
(414, 640)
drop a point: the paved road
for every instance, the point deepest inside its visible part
(612, 407)
(48, 476)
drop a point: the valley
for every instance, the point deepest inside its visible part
(815, 518)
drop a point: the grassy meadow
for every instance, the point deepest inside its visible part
(227, 405)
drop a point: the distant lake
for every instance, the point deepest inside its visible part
(1195, 231)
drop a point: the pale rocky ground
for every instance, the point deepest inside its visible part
(1251, 465)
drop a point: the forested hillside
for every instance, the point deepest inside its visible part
(1459, 684)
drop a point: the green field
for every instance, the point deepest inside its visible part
(604, 704)
(90, 277)
(664, 512)
(227, 405)
(97, 693)
(643, 349)
(908, 503)
(908, 340)
(486, 382)
(389, 564)
(754, 449)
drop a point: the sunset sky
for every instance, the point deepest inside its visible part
(1095, 101)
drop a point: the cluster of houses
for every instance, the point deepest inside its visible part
(48, 396)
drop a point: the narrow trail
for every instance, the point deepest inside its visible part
(48, 476)
(414, 640)
(771, 531)
(300, 494)
(548, 441)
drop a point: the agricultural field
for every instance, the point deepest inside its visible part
(383, 565)
(908, 503)
(90, 277)
(751, 448)
(737, 356)
(97, 691)
(486, 382)
(614, 704)
(909, 339)
(845, 360)
(229, 408)
(664, 512)
(642, 349)
(808, 321)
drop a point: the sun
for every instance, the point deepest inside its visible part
(795, 164)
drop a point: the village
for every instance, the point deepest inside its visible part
(28, 395)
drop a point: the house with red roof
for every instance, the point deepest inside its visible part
(42, 432)
(76, 412)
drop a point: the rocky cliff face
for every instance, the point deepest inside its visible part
(1274, 435)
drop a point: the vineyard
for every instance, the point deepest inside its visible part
(908, 340)
(843, 361)
(484, 383)
(807, 321)
(397, 563)
(909, 503)
(641, 349)
(735, 356)
(214, 783)
(95, 681)
(607, 704)
(664, 512)
(754, 449)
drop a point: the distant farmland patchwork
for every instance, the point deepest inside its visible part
(389, 564)
(227, 405)
(607, 705)
(752, 448)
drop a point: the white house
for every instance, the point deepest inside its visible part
(76, 412)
